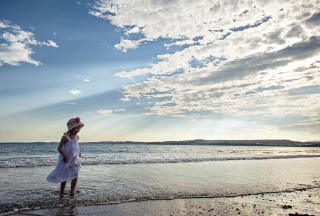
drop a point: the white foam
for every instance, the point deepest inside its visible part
(145, 158)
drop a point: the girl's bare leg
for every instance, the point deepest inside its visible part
(73, 186)
(63, 186)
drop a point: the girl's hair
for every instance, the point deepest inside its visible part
(66, 133)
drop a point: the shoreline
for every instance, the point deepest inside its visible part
(300, 202)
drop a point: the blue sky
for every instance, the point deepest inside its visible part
(160, 70)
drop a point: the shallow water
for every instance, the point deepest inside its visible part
(109, 183)
(45, 154)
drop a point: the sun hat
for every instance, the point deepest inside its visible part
(74, 122)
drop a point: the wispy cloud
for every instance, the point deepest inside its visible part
(254, 58)
(86, 79)
(16, 46)
(110, 112)
(75, 92)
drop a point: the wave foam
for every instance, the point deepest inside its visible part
(141, 159)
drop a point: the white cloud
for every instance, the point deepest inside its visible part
(134, 115)
(250, 58)
(128, 44)
(110, 112)
(75, 92)
(106, 112)
(134, 30)
(16, 48)
(86, 79)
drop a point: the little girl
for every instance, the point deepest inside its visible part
(69, 162)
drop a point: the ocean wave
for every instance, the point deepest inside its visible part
(141, 159)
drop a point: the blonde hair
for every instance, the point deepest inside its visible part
(66, 133)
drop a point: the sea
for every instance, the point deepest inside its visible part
(117, 173)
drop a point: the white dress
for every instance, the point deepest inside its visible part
(70, 170)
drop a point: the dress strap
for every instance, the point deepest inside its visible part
(67, 137)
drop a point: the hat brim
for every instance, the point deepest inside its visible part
(79, 124)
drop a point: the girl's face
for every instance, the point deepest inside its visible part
(75, 130)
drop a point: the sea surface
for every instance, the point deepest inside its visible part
(115, 173)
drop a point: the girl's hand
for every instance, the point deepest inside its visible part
(80, 154)
(65, 159)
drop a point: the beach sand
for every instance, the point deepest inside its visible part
(302, 202)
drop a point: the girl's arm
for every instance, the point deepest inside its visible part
(61, 144)
(78, 138)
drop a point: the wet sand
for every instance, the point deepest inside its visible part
(302, 202)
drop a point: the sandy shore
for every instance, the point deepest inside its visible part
(304, 202)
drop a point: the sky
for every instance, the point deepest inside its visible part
(160, 70)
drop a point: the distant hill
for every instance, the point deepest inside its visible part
(271, 142)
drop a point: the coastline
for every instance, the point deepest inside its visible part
(300, 202)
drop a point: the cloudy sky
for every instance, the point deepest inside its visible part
(156, 70)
